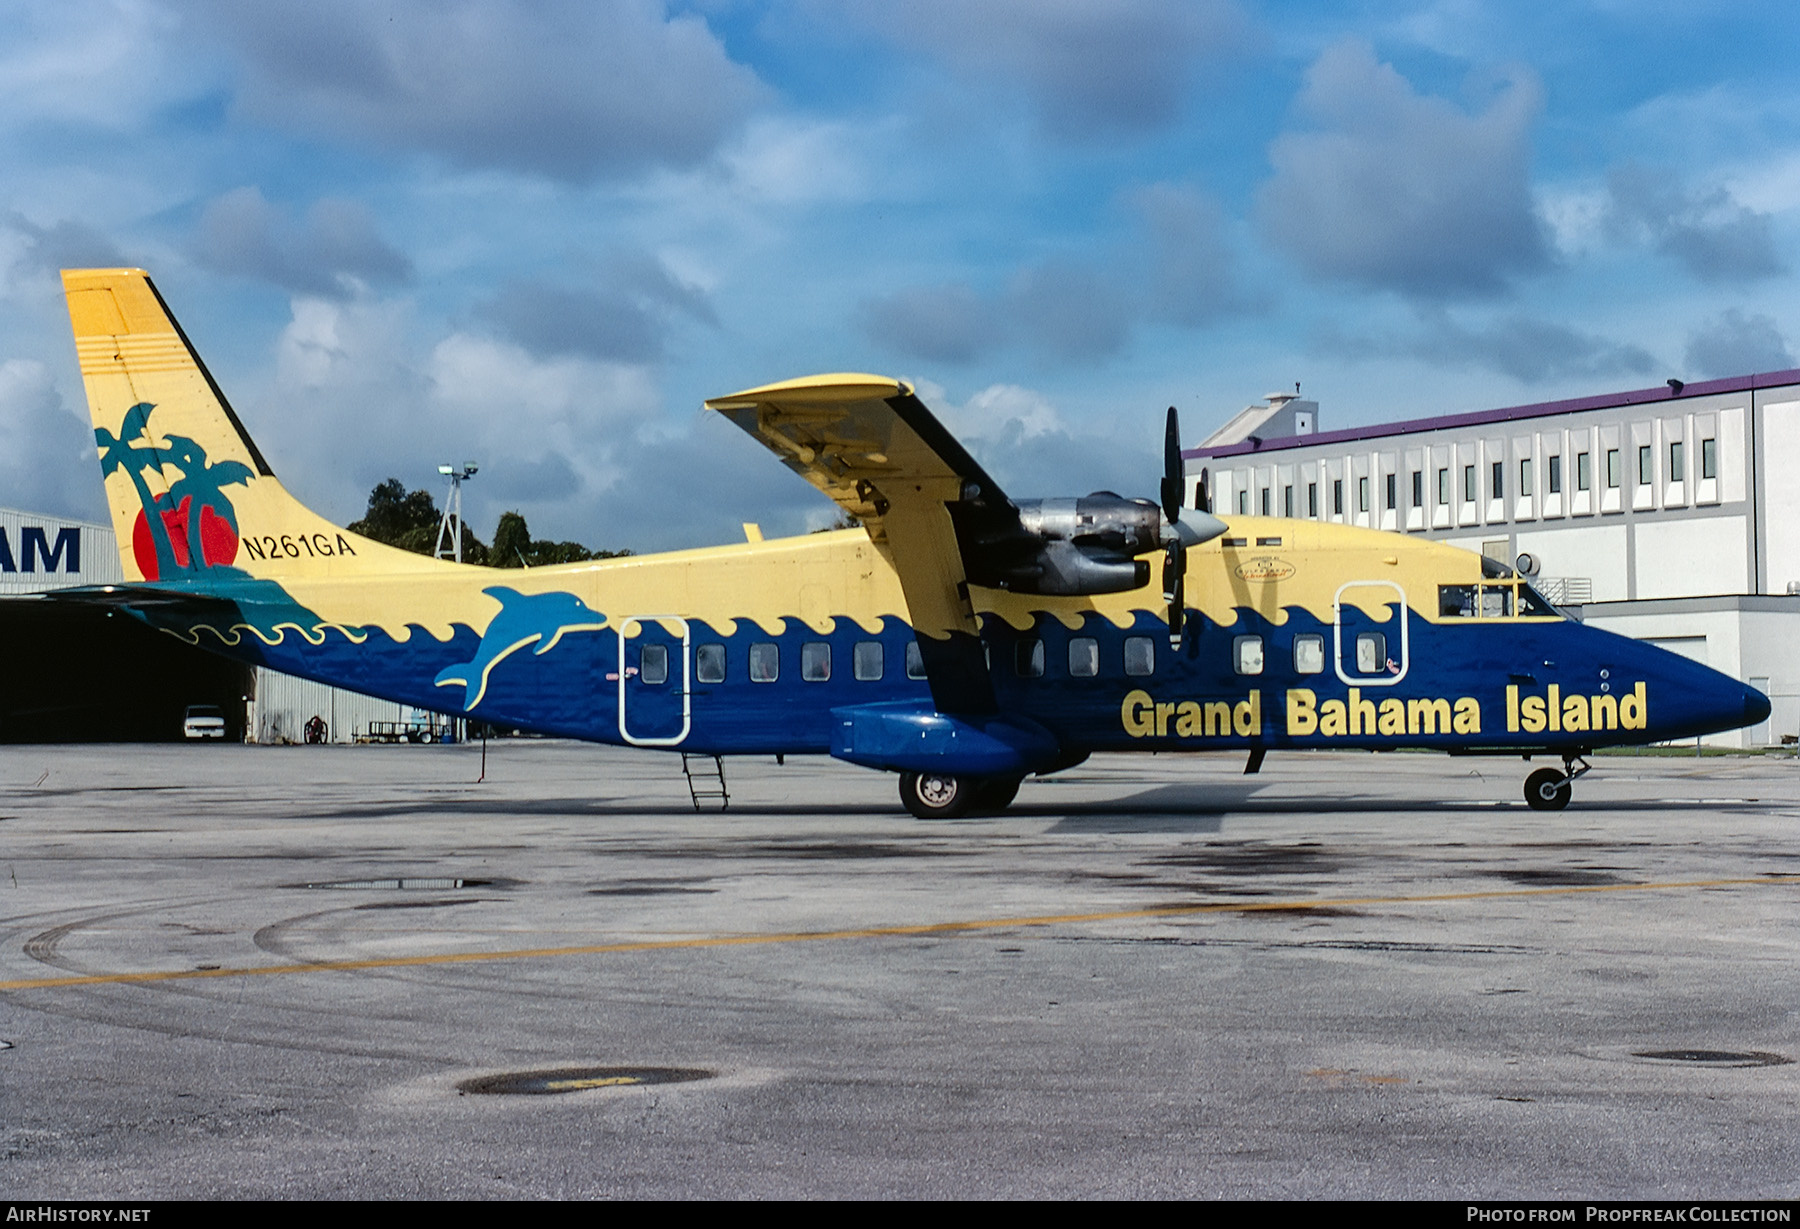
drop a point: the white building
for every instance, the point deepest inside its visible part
(1665, 514)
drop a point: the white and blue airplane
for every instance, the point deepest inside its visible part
(958, 637)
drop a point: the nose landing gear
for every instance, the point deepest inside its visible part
(1548, 790)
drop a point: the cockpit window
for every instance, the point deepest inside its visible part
(1497, 599)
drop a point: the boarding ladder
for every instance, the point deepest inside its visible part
(706, 779)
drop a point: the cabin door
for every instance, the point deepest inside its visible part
(1370, 652)
(655, 680)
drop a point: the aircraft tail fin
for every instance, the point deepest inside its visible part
(188, 489)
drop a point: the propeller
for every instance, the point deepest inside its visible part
(1177, 534)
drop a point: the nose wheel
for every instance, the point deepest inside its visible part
(1548, 789)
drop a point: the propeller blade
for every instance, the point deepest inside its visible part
(1174, 473)
(1174, 589)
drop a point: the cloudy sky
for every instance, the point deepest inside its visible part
(535, 235)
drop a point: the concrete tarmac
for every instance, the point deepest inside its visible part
(286, 972)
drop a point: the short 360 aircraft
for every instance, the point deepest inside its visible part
(957, 637)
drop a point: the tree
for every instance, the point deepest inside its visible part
(411, 520)
(514, 547)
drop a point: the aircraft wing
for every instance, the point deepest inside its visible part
(873, 447)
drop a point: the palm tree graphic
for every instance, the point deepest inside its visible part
(135, 452)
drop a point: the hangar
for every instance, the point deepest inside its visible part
(76, 673)
(1658, 513)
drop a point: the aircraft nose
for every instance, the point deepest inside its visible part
(1756, 706)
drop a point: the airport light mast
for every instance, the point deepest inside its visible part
(451, 526)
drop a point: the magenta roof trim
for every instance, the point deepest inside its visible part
(1477, 418)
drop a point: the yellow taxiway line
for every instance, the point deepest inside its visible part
(865, 932)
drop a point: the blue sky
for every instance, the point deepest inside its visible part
(537, 235)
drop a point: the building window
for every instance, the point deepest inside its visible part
(1444, 487)
(1612, 469)
(1584, 478)
(1140, 656)
(1084, 657)
(1709, 458)
(1362, 494)
(1028, 659)
(1677, 471)
(1312, 499)
(1265, 501)
(1646, 465)
(1243, 503)
(815, 661)
(1337, 497)
(765, 663)
(1555, 475)
(1468, 484)
(1497, 481)
(866, 661)
(1418, 488)
(1247, 654)
(1524, 478)
(1393, 483)
(1287, 500)
(709, 663)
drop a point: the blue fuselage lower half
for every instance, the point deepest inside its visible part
(1404, 681)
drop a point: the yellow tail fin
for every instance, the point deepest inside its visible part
(188, 490)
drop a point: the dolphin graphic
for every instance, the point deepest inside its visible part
(522, 620)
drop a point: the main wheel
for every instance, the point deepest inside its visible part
(932, 795)
(996, 793)
(1547, 790)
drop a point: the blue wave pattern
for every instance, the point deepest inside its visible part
(572, 687)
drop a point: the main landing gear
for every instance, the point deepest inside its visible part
(1547, 789)
(933, 795)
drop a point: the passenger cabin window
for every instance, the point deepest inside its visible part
(1028, 659)
(1268, 541)
(709, 663)
(1309, 654)
(1140, 656)
(915, 660)
(1247, 654)
(1371, 652)
(765, 663)
(866, 661)
(1084, 657)
(815, 661)
(653, 664)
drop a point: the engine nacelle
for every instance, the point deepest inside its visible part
(1076, 547)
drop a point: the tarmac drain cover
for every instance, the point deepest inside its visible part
(1716, 1058)
(579, 1079)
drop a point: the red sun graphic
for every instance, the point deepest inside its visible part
(218, 541)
